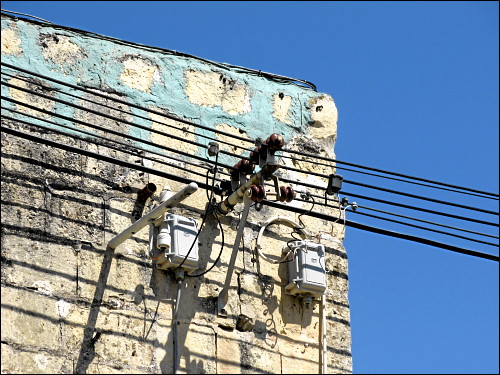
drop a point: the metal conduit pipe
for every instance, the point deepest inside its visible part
(179, 276)
(153, 215)
(324, 348)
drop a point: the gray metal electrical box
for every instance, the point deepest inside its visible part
(307, 272)
(173, 240)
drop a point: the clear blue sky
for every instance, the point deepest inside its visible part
(416, 85)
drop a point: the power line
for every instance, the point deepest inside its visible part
(102, 137)
(398, 192)
(393, 203)
(114, 118)
(271, 204)
(104, 144)
(28, 15)
(172, 117)
(225, 66)
(424, 228)
(232, 154)
(122, 111)
(387, 172)
(103, 129)
(194, 156)
(415, 226)
(403, 216)
(249, 140)
(428, 222)
(385, 177)
(199, 174)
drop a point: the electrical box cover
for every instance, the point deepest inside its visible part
(175, 238)
(307, 272)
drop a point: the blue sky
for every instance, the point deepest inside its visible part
(416, 85)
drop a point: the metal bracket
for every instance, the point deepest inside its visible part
(235, 183)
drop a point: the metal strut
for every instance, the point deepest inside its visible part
(223, 295)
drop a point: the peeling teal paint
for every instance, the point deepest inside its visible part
(102, 66)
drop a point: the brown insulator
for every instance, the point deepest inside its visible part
(283, 192)
(290, 196)
(255, 191)
(262, 193)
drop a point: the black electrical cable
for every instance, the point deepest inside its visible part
(386, 177)
(184, 169)
(140, 140)
(466, 218)
(207, 137)
(125, 112)
(101, 144)
(424, 228)
(211, 206)
(114, 118)
(406, 217)
(79, 130)
(386, 172)
(225, 66)
(385, 232)
(111, 140)
(398, 192)
(27, 15)
(209, 209)
(235, 155)
(353, 224)
(238, 137)
(218, 257)
(428, 222)
(403, 216)
(115, 161)
(395, 203)
(172, 117)
(424, 198)
(413, 225)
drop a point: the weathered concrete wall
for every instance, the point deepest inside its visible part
(59, 210)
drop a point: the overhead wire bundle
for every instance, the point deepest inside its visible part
(29, 116)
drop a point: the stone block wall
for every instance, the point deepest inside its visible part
(72, 305)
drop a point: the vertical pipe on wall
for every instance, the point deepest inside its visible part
(324, 348)
(179, 275)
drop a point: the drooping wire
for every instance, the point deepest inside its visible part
(218, 257)
(296, 231)
(210, 208)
